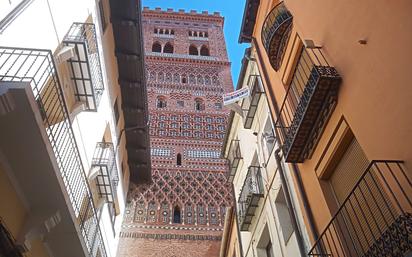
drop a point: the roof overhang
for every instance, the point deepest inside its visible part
(248, 21)
(127, 30)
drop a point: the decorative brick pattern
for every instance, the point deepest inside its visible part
(181, 213)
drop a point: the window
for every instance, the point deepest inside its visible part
(103, 21)
(116, 111)
(283, 215)
(204, 51)
(156, 47)
(176, 215)
(203, 154)
(160, 152)
(179, 159)
(193, 50)
(180, 104)
(184, 79)
(161, 102)
(173, 125)
(218, 106)
(168, 48)
(199, 106)
(209, 127)
(221, 128)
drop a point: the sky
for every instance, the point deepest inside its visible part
(232, 10)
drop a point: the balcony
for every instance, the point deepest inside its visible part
(275, 34)
(85, 67)
(234, 156)
(308, 104)
(36, 126)
(250, 104)
(375, 219)
(104, 164)
(250, 195)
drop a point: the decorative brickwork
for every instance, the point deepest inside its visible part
(181, 213)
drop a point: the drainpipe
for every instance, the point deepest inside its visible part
(300, 187)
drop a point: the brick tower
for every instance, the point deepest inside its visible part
(181, 213)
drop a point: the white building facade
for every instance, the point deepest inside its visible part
(268, 215)
(66, 159)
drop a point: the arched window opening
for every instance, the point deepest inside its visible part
(176, 215)
(193, 50)
(161, 31)
(204, 51)
(168, 48)
(199, 105)
(155, 31)
(161, 102)
(172, 32)
(184, 79)
(156, 47)
(179, 159)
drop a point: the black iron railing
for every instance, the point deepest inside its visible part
(107, 179)
(309, 102)
(276, 32)
(37, 68)
(234, 156)
(86, 70)
(375, 219)
(250, 104)
(249, 197)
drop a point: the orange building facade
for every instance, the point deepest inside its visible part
(335, 75)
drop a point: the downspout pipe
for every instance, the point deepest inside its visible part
(296, 171)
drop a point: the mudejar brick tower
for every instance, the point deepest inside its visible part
(181, 213)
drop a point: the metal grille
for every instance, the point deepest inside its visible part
(104, 160)
(37, 68)
(276, 32)
(309, 101)
(375, 218)
(234, 156)
(250, 194)
(250, 104)
(86, 71)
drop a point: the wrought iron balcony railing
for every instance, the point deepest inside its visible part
(308, 104)
(234, 156)
(276, 32)
(250, 104)
(107, 179)
(37, 68)
(249, 197)
(375, 219)
(85, 67)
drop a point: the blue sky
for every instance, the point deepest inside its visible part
(232, 10)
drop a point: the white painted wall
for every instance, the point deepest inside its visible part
(43, 24)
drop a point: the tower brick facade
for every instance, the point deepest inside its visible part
(181, 213)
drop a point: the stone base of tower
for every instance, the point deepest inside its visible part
(151, 242)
